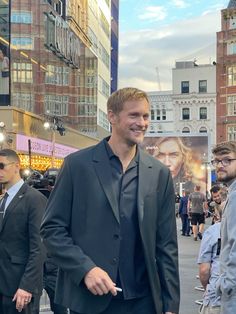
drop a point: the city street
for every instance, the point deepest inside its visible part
(188, 252)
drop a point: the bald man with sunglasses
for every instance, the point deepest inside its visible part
(21, 210)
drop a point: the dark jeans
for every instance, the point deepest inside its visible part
(55, 308)
(143, 305)
(185, 224)
(9, 307)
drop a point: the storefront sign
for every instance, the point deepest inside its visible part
(62, 40)
(42, 147)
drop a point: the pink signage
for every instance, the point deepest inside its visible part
(42, 147)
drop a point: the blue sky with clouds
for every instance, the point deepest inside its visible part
(154, 34)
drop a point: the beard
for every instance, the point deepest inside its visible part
(226, 178)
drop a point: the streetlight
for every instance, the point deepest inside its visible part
(206, 166)
(54, 124)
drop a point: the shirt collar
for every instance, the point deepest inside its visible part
(15, 188)
(111, 154)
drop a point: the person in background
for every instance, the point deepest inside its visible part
(183, 213)
(214, 201)
(196, 208)
(224, 161)
(209, 265)
(21, 252)
(110, 221)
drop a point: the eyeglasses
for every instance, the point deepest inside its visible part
(2, 165)
(225, 162)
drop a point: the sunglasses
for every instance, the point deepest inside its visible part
(2, 165)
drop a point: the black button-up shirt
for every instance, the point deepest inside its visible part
(132, 273)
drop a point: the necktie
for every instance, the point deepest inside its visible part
(2, 208)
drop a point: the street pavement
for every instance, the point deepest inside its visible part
(188, 252)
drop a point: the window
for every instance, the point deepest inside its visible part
(93, 39)
(104, 88)
(185, 114)
(56, 104)
(104, 55)
(231, 48)
(203, 113)
(57, 75)
(103, 121)
(203, 129)
(152, 114)
(232, 22)
(104, 24)
(231, 73)
(186, 130)
(202, 86)
(25, 43)
(231, 105)
(21, 17)
(158, 114)
(185, 87)
(23, 100)
(231, 133)
(163, 114)
(22, 72)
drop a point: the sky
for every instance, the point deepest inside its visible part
(155, 34)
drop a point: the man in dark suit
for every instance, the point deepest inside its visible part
(110, 222)
(21, 210)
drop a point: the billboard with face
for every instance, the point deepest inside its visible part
(186, 156)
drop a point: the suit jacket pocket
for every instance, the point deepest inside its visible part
(18, 260)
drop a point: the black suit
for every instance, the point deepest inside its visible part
(20, 244)
(82, 219)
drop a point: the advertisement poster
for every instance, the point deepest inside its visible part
(187, 157)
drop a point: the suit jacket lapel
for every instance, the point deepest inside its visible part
(145, 180)
(14, 202)
(101, 164)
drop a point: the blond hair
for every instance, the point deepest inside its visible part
(117, 99)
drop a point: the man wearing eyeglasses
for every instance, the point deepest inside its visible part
(21, 210)
(225, 164)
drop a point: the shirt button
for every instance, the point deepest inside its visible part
(116, 236)
(114, 261)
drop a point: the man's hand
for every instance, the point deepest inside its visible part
(98, 282)
(22, 299)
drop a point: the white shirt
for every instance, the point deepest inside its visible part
(12, 192)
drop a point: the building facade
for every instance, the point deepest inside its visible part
(194, 98)
(114, 44)
(47, 50)
(99, 33)
(226, 75)
(161, 117)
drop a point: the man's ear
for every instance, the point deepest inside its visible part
(111, 117)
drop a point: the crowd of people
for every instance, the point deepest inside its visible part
(106, 239)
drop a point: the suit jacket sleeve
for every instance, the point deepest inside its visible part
(55, 228)
(32, 277)
(167, 249)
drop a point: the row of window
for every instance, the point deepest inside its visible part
(202, 86)
(160, 114)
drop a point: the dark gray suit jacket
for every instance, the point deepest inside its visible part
(20, 243)
(82, 220)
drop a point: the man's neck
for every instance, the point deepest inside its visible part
(8, 185)
(125, 152)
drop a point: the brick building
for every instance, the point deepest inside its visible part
(226, 75)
